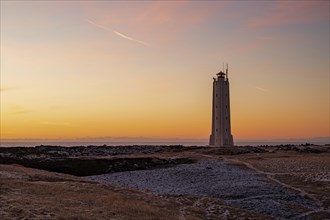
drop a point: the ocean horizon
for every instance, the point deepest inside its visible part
(316, 141)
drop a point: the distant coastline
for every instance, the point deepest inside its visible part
(153, 141)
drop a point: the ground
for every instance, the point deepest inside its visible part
(298, 174)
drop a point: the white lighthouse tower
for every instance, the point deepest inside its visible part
(221, 132)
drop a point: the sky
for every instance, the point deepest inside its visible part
(88, 69)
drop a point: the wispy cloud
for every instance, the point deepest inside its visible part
(261, 89)
(65, 124)
(292, 12)
(163, 21)
(258, 88)
(19, 109)
(22, 112)
(118, 33)
(4, 89)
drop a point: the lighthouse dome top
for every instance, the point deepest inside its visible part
(221, 74)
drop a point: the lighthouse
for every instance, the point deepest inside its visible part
(221, 131)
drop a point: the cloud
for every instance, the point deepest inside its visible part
(4, 89)
(164, 21)
(19, 109)
(258, 88)
(118, 33)
(292, 12)
(261, 89)
(22, 112)
(65, 124)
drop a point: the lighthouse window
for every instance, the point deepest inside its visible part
(226, 106)
(226, 117)
(226, 129)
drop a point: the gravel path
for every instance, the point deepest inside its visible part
(239, 187)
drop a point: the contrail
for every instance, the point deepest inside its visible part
(129, 38)
(118, 33)
(261, 89)
(258, 88)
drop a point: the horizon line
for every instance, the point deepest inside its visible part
(158, 139)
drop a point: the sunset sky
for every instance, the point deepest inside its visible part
(144, 69)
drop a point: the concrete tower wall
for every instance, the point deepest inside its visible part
(213, 113)
(221, 129)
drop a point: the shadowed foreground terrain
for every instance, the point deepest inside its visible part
(165, 182)
(27, 193)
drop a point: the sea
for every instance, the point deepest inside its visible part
(322, 141)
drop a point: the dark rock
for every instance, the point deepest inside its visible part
(57, 159)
